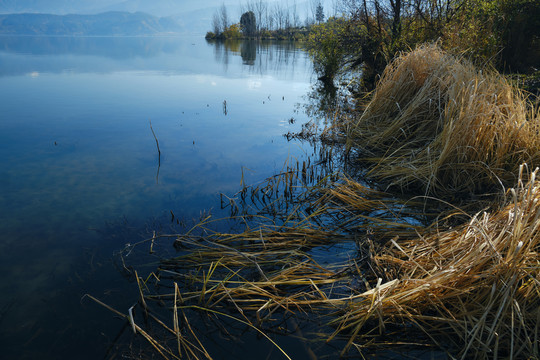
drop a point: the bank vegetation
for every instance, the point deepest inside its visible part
(267, 21)
(503, 34)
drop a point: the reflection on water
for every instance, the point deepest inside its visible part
(172, 55)
(111, 47)
(79, 163)
(263, 56)
(248, 51)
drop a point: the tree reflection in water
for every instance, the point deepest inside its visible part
(261, 56)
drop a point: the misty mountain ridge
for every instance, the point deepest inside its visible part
(65, 7)
(191, 17)
(113, 23)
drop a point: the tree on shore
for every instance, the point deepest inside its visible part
(224, 17)
(220, 23)
(319, 13)
(216, 24)
(258, 19)
(248, 24)
(503, 33)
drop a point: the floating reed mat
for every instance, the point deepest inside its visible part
(436, 125)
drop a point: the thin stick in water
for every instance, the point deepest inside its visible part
(158, 150)
(155, 137)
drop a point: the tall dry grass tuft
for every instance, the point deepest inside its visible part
(437, 125)
(476, 286)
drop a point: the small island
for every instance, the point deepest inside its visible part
(260, 22)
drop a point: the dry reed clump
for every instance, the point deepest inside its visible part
(476, 286)
(437, 125)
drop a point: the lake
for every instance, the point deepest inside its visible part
(81, 175)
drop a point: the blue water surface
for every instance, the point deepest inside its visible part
(81, 175)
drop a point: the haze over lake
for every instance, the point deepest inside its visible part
(81, 175)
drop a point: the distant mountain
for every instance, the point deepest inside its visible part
(64, 7)
(106, 24)
(157, 7)
(193, 16)
(57, 7)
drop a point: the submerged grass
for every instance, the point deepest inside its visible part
(364, 269)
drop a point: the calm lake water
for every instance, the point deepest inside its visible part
(81, 175)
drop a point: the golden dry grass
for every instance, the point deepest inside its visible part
(437, 125)
(476, 286)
